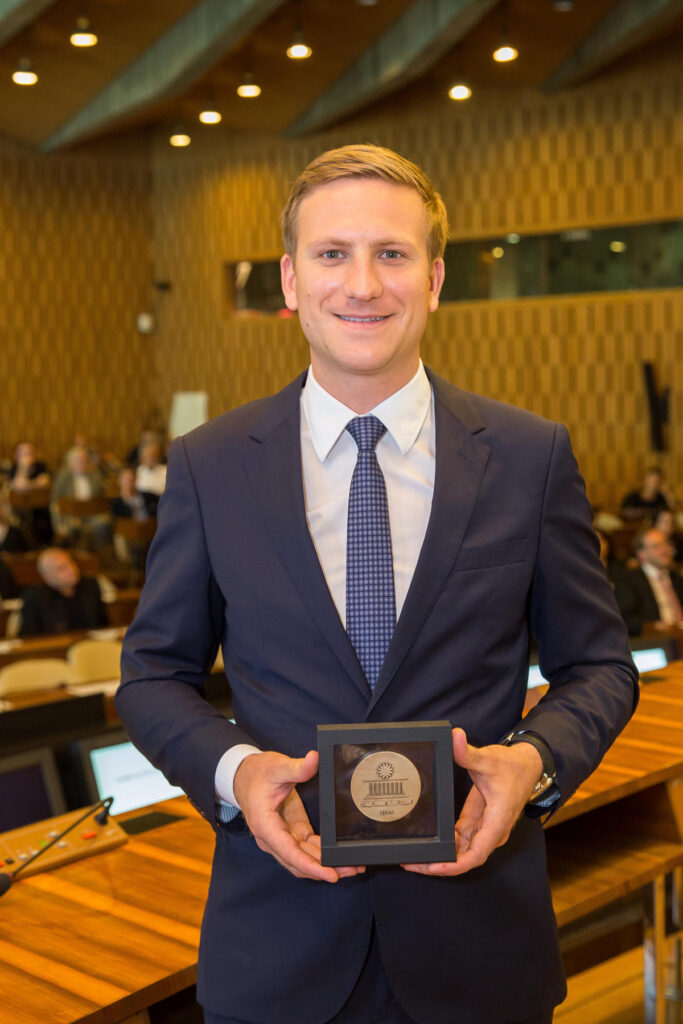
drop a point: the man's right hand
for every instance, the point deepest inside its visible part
(264, 789)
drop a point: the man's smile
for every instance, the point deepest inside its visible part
(362, 319)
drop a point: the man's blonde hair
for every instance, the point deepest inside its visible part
(367, 161)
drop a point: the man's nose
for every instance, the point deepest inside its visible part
(362, 279)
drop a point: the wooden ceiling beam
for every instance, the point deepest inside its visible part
(626, 26)
(409, 48)
(179, 57)
(15, 15)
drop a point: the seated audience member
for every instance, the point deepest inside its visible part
(64, 601)
(148, 436)
(28, 473)
(8, 586)
(665, 522)
(12, 539)
(130, 504)
(150, 476)
(651, 596)
(650, 497)
(78, 480)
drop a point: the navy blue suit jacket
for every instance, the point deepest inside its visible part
(509, 549)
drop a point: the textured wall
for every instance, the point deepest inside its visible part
(75, 270)
(609, 152)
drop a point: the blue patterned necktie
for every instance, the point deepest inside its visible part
(370, 604)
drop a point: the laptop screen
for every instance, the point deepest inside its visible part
(121, 771)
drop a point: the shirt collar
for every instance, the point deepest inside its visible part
(652, 573)
(403, 413)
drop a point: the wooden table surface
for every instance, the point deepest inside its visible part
(96, 941)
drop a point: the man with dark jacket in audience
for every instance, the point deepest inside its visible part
(651, 597)
(64, 601)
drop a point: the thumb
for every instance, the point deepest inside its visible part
(306, 767)
(463, 754)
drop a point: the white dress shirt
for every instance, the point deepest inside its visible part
(668, 614)
(406, 455)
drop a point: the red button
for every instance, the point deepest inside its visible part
(88, 835)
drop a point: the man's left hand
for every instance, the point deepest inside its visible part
(503, 782)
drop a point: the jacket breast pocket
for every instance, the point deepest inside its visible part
(492, 556)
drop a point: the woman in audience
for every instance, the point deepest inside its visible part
(28, 473)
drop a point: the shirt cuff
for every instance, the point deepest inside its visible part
(225, 777)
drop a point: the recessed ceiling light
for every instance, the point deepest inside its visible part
(460, 91)
(248, 87)
(180, 138)
(83, 34)
(505, 53)
(210, 116)
(24, 73)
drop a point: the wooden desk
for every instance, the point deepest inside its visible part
(100, 940)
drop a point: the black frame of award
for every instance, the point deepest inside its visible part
(424, 832)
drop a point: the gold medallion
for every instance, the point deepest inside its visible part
(385, 785)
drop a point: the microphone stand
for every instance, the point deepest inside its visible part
(6, 880)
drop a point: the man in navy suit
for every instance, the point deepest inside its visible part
(492, 542)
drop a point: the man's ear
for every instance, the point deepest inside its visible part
(288, 280)
(436, 277)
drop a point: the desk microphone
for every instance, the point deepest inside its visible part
(6, 880)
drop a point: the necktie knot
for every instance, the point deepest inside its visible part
(366, 432)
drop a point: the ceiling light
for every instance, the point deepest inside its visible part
(504, 53)
(299, 49)
(210, 116)
(460, 92)
(512, 238)
(248, 88)
(180, 138)
(498, 252)
(617, 246)
(83, 34)
(563, 5)
(24, 73)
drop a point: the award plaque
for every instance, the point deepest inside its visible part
(386, 793)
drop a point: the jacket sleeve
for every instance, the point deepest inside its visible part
(169, 649)
(582, 640)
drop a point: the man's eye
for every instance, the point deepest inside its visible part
(331, 254)
(391, 254)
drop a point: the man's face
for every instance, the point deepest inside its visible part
(60, 571)
(25, 454)
(78, 461)
(362, 281)
(656, 550)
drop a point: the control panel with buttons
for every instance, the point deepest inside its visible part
(85, 839)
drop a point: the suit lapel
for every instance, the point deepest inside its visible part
(460, 462)
(273, 466)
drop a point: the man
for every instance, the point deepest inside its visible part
(491, 539)
(80, 481)
(649, 498)
(651, 597)
(64, 601)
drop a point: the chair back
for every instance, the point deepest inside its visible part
(33, 497)
(35, 674)
(95, 659)
(137, 531)
(82, 508)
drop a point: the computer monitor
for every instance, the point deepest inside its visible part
(648, 655)
(30, 789)
(112, 766)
